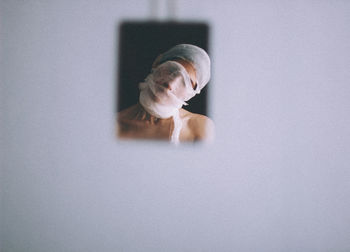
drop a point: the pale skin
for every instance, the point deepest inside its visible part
(135, 122)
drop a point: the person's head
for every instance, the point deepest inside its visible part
(181, 71)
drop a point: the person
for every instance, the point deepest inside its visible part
(176, 76)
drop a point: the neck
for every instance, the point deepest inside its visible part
(155, 109)
(142, 114)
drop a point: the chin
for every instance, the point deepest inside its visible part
(164, 97)
(166, 102)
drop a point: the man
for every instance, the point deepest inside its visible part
(176, 76)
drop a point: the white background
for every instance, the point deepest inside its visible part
(277, 177)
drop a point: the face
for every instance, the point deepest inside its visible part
(171, 83)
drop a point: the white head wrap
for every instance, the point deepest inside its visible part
(163, 103)
(195, 55)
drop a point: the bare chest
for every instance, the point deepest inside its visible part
(146, 130)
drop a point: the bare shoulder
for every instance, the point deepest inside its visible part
(127, 113)
(200, 125)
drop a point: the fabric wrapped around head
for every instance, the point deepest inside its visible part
(183, 64)
(166, 101)
(193, 54)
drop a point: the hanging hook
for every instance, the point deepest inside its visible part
(154, 9)
(172, 9)
(166, 9)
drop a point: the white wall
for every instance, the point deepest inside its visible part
(277, 177)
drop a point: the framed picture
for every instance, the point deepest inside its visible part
(149, 49)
